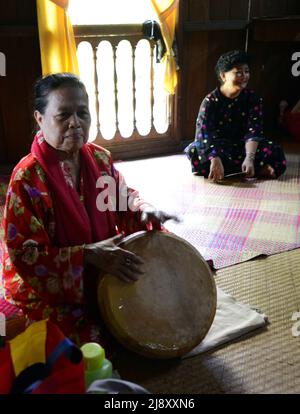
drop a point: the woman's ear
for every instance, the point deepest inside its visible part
(38, 117)
(222, 76)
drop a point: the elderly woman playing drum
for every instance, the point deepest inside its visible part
(62, 226)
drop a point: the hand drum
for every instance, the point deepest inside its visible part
(169, 310)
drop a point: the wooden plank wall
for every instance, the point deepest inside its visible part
(19, 42)
(207, 28)
(212, 27)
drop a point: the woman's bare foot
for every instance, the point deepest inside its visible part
(267, 172)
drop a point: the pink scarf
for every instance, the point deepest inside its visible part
(76, 223)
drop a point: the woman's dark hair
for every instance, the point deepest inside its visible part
(229, 60)
(47, 84)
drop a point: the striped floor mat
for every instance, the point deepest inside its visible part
(228, 223)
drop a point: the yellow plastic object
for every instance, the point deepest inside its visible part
(29, 347)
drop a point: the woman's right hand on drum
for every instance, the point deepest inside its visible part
(216, 169)
(109, 258)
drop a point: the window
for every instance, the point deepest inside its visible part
(95, 12)
(118, 66)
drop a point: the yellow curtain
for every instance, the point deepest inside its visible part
(57, 43)
(167, 13)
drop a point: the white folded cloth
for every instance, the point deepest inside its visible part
(232, 320)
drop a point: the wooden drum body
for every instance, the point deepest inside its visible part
(169, 310)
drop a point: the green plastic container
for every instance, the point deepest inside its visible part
(96, 365)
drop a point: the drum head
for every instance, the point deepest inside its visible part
(169, 310)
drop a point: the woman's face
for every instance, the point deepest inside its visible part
(66, 121)
(238, 77)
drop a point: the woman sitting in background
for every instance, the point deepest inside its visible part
(58, 232)
(229, 129)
